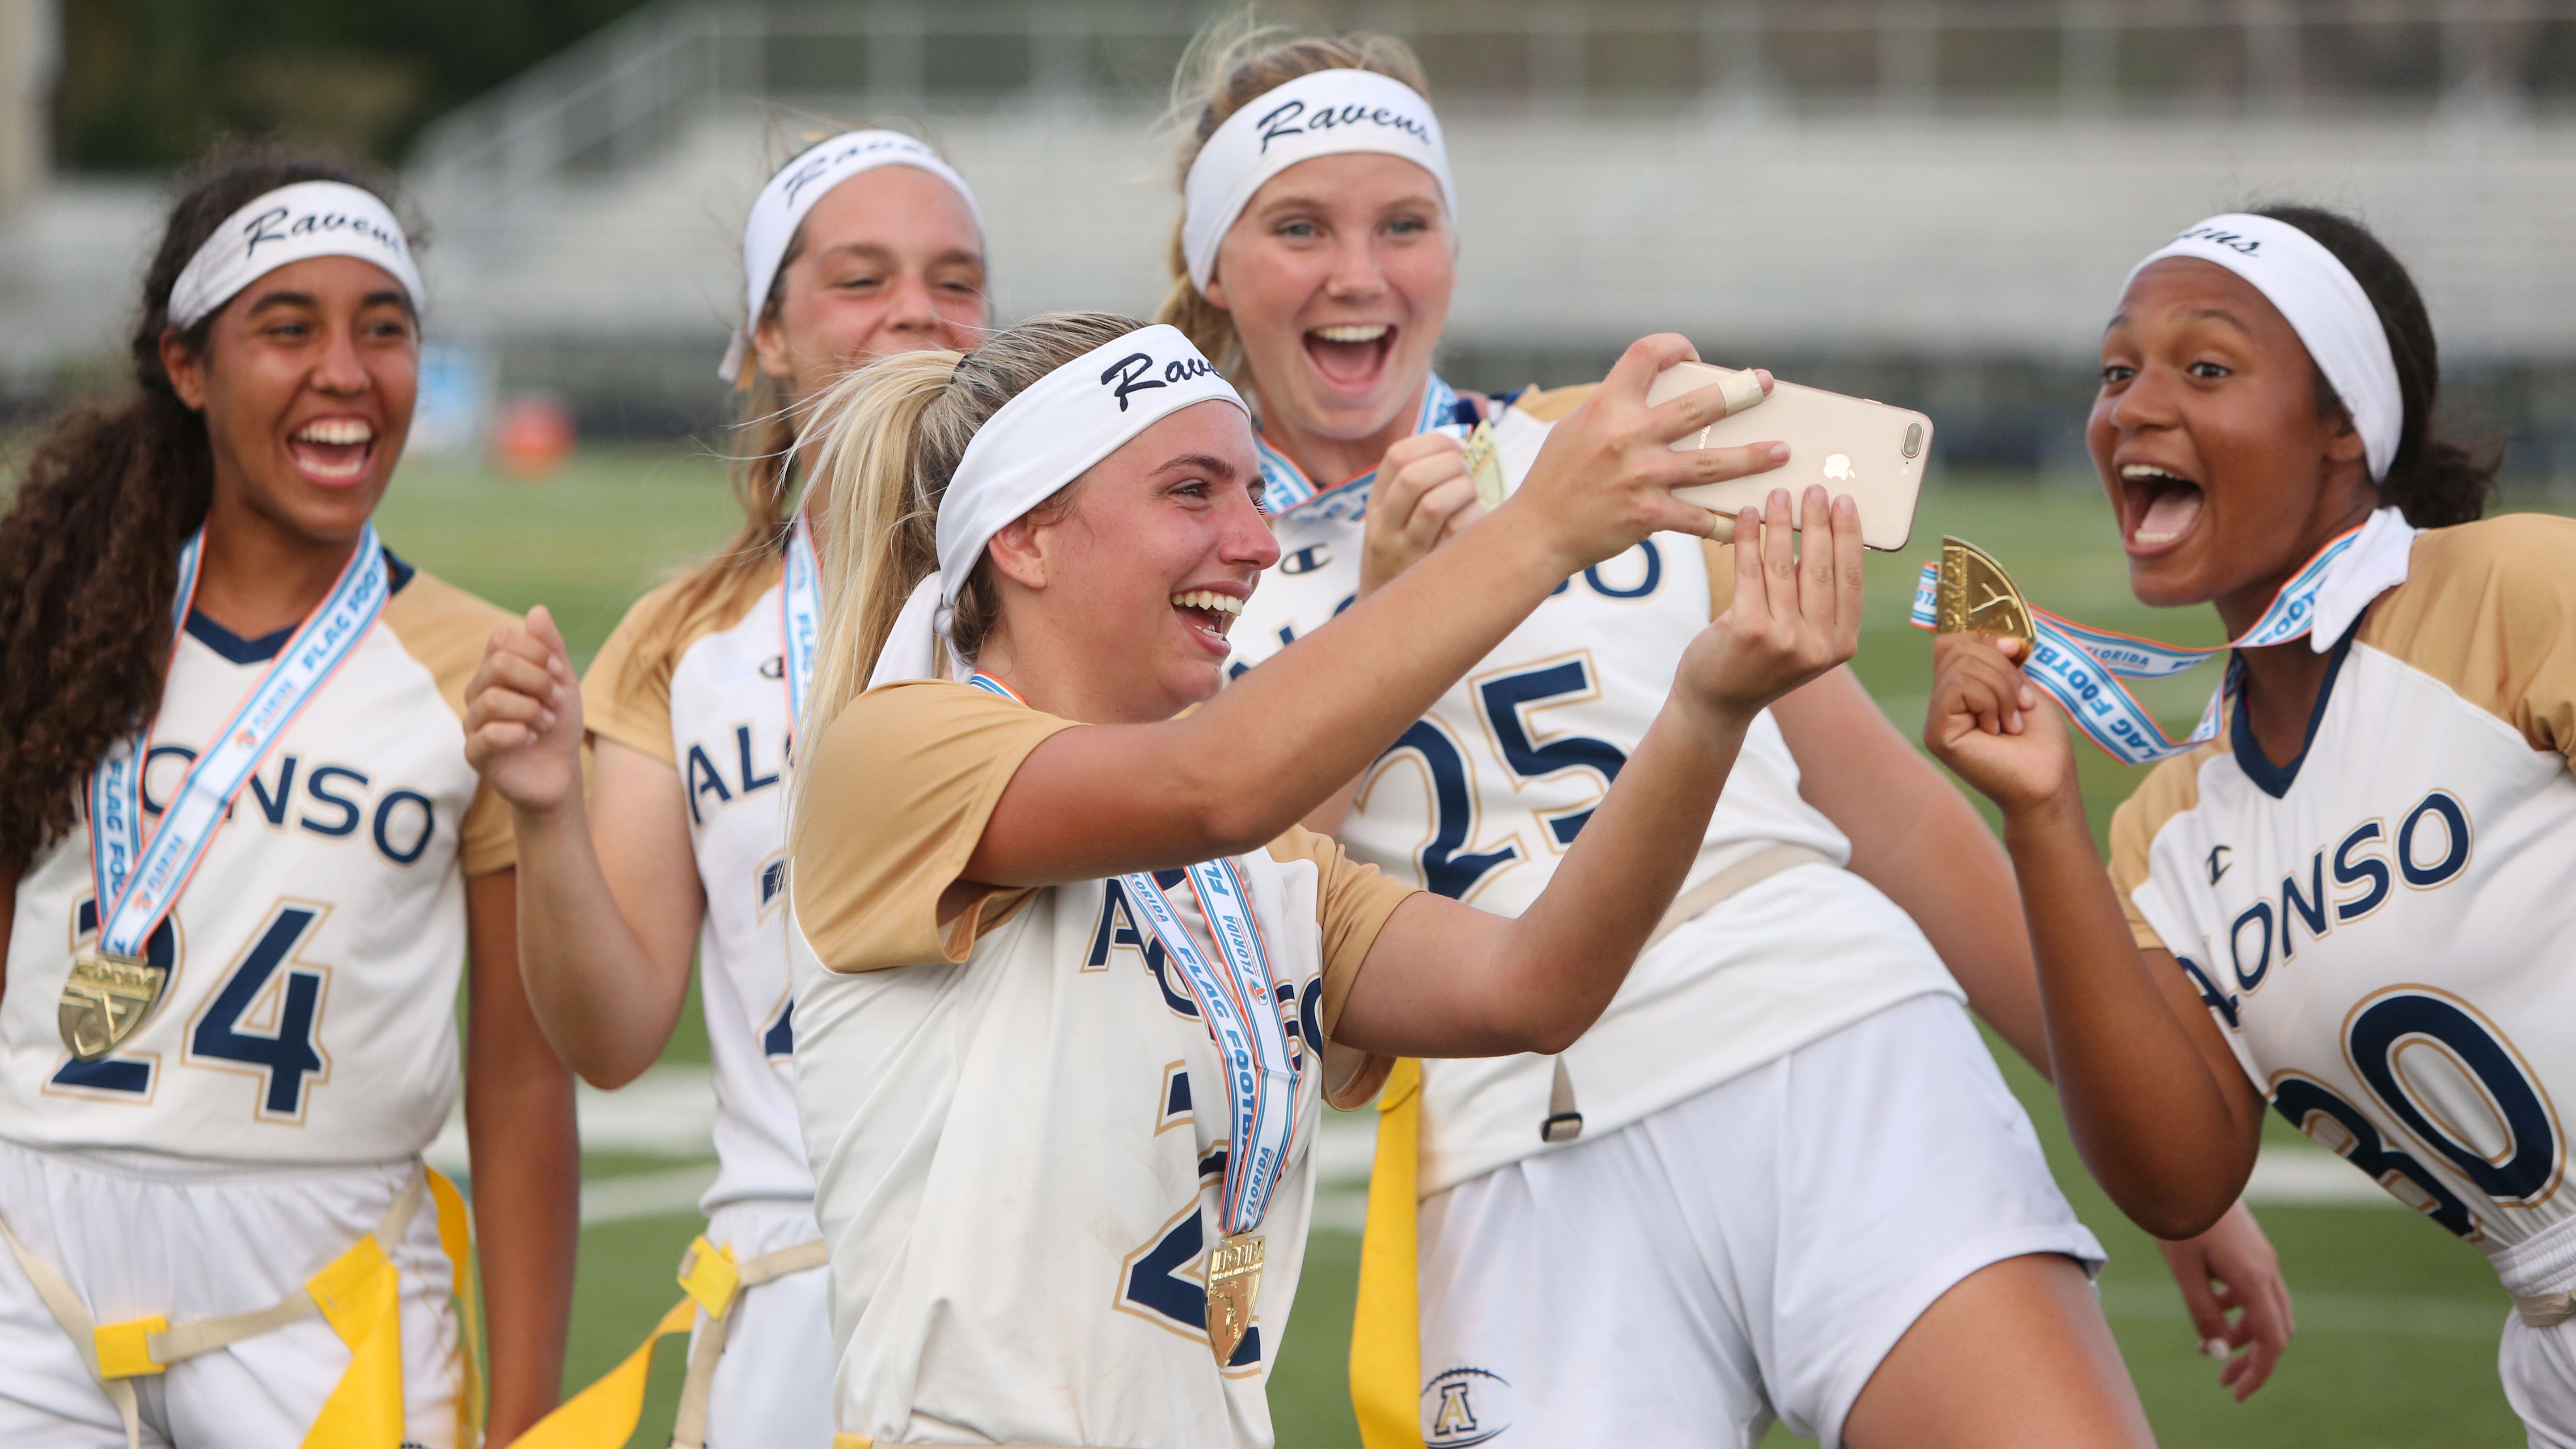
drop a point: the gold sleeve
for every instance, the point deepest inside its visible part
(626, 692)
(896, 798)
(446, 628)
(2489, 609)
(1352, 903)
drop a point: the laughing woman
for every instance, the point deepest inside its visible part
(242, 859)
(1071, 982)
(2349, 897)
(861, 246)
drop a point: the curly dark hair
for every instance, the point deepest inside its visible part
(89, 549)
(2434, 481)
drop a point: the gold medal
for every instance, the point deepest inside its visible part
(1234, 1282)
(1485, 466)
(1977, 596)
(105, 999)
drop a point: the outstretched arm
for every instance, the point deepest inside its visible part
(1919, 841)
(1234, 774)
(2158, 1106)
(1445, 979)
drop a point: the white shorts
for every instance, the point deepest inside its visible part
(1751, 1251)
(197, 1240)
(2538, 1366)
(773, 1386)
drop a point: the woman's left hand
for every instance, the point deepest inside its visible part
(1795, 615)
(2232, 1269)
(1423, 497)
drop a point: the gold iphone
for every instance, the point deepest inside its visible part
(1851, 445)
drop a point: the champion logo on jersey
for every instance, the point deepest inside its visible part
(1463, 1406)
(2218, 861)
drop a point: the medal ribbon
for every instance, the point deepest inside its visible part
(139, 883)
(1284, 485)
(800, 619)
(2082, 666)
(1240, 1006)
(1241, 1010)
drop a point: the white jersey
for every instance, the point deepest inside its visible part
(1017, 1119)
(310, 1014)
(2375, 925)
(1482, 797)
(703, 691)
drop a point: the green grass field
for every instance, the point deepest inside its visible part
(2398, 1322)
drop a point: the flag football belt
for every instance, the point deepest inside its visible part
(1386, 1328)
(358, 1293)
(2544, 1310)
(604, 1415)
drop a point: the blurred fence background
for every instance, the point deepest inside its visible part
(1932, 201)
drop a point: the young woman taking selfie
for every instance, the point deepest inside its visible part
(1071, 981)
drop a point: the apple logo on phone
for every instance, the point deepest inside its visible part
(1838, 467)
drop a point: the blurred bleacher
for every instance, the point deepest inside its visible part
(1930, 202)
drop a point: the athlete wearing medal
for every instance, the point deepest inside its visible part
(1790, 1034)
(862, 245)
(248, 861)
(2346, 893)
(1070, 982)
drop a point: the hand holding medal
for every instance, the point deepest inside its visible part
(1427, 492)
(1979, 722)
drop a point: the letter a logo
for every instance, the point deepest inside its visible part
(1455, 1417)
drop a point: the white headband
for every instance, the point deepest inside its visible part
(1326, 113)
(2323, 304)
(291, 224)
(1038, 442)
(781, 206)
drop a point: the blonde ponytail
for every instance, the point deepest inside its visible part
(879, 531)
(1232, 62)
(881, 445)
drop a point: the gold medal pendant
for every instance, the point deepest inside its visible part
(1976, 596)
(105, 999)
(1234, 1283)
(1485, 466)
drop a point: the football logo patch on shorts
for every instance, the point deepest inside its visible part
(1462, 1406)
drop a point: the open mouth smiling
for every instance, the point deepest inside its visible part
(1351, 354)
(2158, 507)
(333, 450)
(1209, 614)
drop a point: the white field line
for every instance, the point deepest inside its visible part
(669, 1112)
(645, 1195)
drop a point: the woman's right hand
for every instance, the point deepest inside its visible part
(523, 716)
(1795, 613)
(1989, 723)
(1604, 479)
